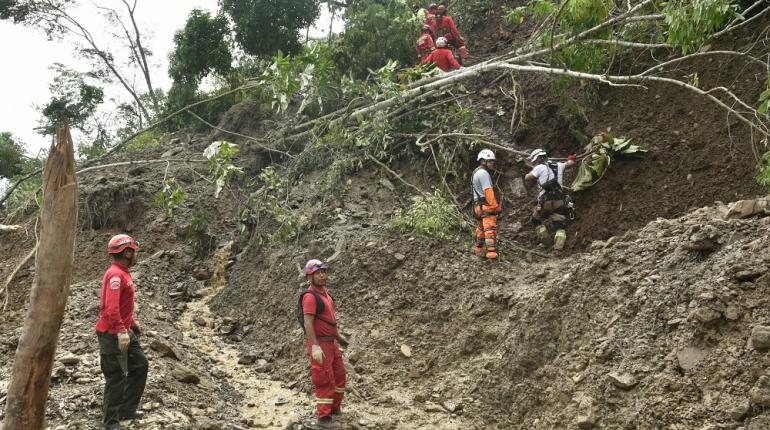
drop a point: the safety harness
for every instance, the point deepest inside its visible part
(319, 308)
(554, 195)
(479, 200)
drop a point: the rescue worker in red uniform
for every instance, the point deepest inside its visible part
(121, 357)
(444, 26)
(425, 43)
(327, 371)
(442, 56)
(485, 206)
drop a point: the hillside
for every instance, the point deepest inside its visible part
(656, 317)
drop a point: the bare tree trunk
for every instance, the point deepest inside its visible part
(31, 374)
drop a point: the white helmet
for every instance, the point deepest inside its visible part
(441, 42)
(535, 154)
(485, 154)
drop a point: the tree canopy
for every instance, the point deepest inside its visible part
(200, 48)
(11, 155)
(73, 99)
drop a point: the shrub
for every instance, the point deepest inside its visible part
(430, 215)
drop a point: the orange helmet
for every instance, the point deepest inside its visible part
(314, 265)
(120, 242)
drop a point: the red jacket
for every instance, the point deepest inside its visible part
(443, 58)
(424, 46)
(116, 310)
(445, 27)
(322, 321)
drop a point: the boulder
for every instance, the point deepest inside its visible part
(747, 208)
(760, 337)
(185, 374)
(165, 349)
(624, 381)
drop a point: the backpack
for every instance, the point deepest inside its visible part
(553, 189)
(319, 308)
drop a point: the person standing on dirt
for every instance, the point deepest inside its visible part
(444, 26)
(485, 206)
(121, 357)
(425, 43)
(327, 370)
(442, 57)
(553, 206)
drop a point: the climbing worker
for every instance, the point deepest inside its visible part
(122, 361)
(425, 43)
(554, 206)
(442, 57)
(485, 206)
(327, 371)
(444, 26)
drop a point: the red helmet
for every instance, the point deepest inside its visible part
(314, 265)
(441, 9)
(120, 242)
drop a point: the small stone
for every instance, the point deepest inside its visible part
(624, 381)
(69, 360)
(760, 393)
(280, 401)
(165, 349)
(400, 257)
(747, 275)
(740, 410)
(452, 406)
(200, 321)
(363, 423)
(202, 273)
(185, 374)
(705, 314)
(247, 359)
(432, 407)
(760, 337)
(406, 350)
(689, 357)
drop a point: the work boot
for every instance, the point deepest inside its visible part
(542, 232)
(491, 254)
(478, 250)
(136, 415)
(559, 239)
(327, 423)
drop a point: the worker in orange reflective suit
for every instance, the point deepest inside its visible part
(442, 57)
(485, 206)
(444, 26)
(327, 371)
(425, 43)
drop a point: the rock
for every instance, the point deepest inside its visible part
(202, 273)
(278, 401)
(400, 257)
(704, 314)
(760, 393)
(689, 357)
(740, 410)
(165, 349)
(587, 413)
(69, 360)
(451, 406)
(432, 407)
(406, 350)
(747, 275)
(624, 381)
(204, 423)
(185, 374)
(760, 337)
(226, 328)
(387, 184)
(247, 359)
(200, 321)
(732, 313)
(747, 208)
(363, 423)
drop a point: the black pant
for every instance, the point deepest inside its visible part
(125, 376)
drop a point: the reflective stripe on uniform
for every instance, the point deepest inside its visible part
(339, 390)
(324, 401)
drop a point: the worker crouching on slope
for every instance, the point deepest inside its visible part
(425, 43)
(442, 57)
(485, 206)
(327, 371)
(121, 357)
(554, 206)
(444, 26)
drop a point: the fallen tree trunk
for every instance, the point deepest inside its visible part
(31, 374)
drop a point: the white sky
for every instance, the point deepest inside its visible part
(24, 76)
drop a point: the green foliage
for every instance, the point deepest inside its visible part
(272, 200)
(265, 27)
(200, 48)
(26, 195)
(430, 215)
(220, 156)
(198, 235)
(764, 100)
(376, 33)
(603, 149)
(171, 196)
(763, 178)
(470, 15)
(692, 22)
(11, 155)
(73, 99)
(146, 140)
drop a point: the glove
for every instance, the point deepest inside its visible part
(463, 52)
(123, 340)
(317, 353)
(571, 157)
